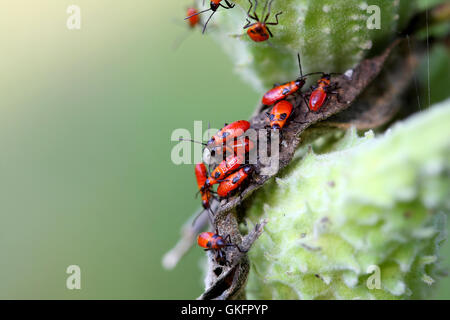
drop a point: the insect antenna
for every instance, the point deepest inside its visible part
(195, 14)
(207, 21)
(190, 140)
(301, 71)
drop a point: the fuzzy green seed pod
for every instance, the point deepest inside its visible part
(363, 221)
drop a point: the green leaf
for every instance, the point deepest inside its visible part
(371, 201)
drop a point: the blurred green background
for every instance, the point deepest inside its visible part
(85, 125)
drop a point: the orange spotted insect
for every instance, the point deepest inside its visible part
(280, 92)
(279, 114)
(214, 241)
(234, 181)
(194, 19)
(259, 30)
(214, 5)
(233, 162)
(225, 135)
(226, 167)
(201, 174)
(239, 145)
(229, 132)
(321, 92)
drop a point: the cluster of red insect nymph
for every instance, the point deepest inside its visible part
(233, 172)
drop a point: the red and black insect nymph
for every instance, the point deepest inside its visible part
(280, 92)
(241, 145)
(229, 132)
(234, 181)
(321, 92)
(201, 174)
(214, 5)
(214, 241)
(259, 31)
(194, 19)
(225, 168)
(228, 140)
(279, 114)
